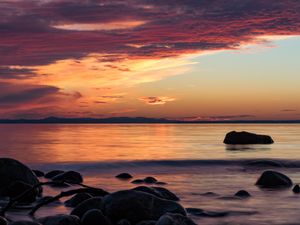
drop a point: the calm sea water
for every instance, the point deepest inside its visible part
(191, 158)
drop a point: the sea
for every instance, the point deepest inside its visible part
(191, 158)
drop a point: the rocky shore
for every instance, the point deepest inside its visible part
(147, 204)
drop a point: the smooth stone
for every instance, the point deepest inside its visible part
(136, 206)
(242, 194)
(174, 219)
(53, 173)
(92, 203)
(296, 189)
(38, 173)
(94, 217)
(147, 222)
(244, 138)
(138, 181)
(158, 192)
(264, 163)
(123, 222)
(273, 179)
(150, 180)
(60, 220)
(17, 188)
(124, 176)
(24, 222)
(3, 221)
(77, 199)
(11, 171)
(204, 213)
(72, 177)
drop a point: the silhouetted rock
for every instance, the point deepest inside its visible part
(174, 219)
(3, 221)
(38, 173)
(124, 176)
(60, 220)
(296, 189)
(53, 173)
(147, 222)
(242, 194)
(273, 179)
(161, 183)
(264, 163)
(158, 191)
(204, 213)
(150, 180)
(137, 206)
(241, 138)
(123, 222)
(77, 199)
(92, 203)
(69, 177)
(46, 198)
(25, 222)
(94, 217)
(138, 181)
(11, 171)
(17, 188)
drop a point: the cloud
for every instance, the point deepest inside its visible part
(16, 73)
(217, 118)
(288, 110)
(156, 100)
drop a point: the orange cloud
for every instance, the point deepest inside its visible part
(159, 100)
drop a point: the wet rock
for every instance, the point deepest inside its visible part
(161, 183)
(94, 217)
(264, 163)
(137, 181)
(242, 138)
(123, 222)
(3, 221)
(53, 173)
(69, 177)
(124, 176)
(92, 203)
(158, 191)
(24, 222)
(204, 213)
(147, 222)
(174, 219)
(296, 189)
(11, 171)
(17, 188)
(77, 199)
(150, 180)
(242, 194)
(60, 220)
(273, 179)
(136, 206)
(38, 173)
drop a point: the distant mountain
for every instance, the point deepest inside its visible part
(50, 120)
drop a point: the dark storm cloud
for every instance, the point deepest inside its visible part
(171, 27)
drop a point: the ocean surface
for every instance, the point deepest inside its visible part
(190, 158)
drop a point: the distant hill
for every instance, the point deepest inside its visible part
(50, 120)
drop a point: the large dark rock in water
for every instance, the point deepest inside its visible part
(244, 138)
(136, 206)
(77, 199)
(72, 177)
(174, 219)
(60, 220)
(11, 171)
(94, 217)
(273, 179)
(158, 191)
(92, 203)
(17, 188)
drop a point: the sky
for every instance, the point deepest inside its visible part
(179, 59)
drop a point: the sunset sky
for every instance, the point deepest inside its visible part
(183, 59)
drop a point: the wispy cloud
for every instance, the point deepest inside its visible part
(158, 100)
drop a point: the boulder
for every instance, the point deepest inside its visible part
(17, 188)
(242, 194)
(38, 173)
(77, 199)
(244, 138)
(69, 177)
(150, 180)
(273, 179)
(60, 220)
(24, 222)
(11, 171)
(94, 217)
(174, 219)
(136, 206)
(123, 222)
(124, 176)
(138, 181)
(296, 189)
(3, 221)
(158, 191)
(53, 173)
(92, 203)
